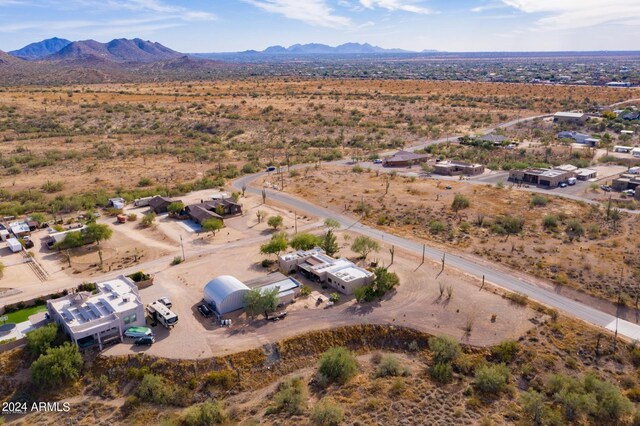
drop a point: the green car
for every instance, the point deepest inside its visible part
(137, 332)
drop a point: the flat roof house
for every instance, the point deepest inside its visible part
(19, 229)
(626, 181)
(90, 319)
(404, 159)
(453, 168)
(288, 288)
(543, 177)
(570, 117)
(341, 274)
(493, 138)
(579, 138)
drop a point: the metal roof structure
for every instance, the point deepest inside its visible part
(225, 294)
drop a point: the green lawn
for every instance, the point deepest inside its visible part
(24, 314)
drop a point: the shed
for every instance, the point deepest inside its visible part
(160, 204)
(225, 294)
(14, 245)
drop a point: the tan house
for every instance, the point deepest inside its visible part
(543, 177)
(454, 168)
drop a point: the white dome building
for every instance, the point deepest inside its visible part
(225, 294)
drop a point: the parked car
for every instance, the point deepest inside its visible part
(271, 168)
(629, 192)
(563, 184)
(145, 341)
(277, 316)
(448, 187)
(27, 242)
(205, 310)
(377, 161)
(166, 302)
(606, 188)
(137, 332)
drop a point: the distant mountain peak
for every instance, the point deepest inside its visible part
(117, 50)
(318, 48)
(41, 49)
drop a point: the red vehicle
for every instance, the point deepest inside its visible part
(121, 218)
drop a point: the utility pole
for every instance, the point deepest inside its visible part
(182, 246)
(443, 259)
(295, 221)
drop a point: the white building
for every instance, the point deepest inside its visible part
(91, 319)
(225, 294)
(19, 229)
(14, 245)
(341, 274)
(579, 138)
(635, 152)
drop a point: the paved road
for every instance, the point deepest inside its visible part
(509, 280)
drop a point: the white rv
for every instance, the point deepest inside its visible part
(142, 202)
(159, 312)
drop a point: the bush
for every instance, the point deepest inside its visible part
(292, 396)
(445, 349)
(505, 351)
(305, 290)
(177, 260)
(442, 372)
(57, 365)
(205, 414)
(357, 169)
(41, 339)
(224, 379)
(538, 200)
(132, 217)
(389, 366)
(436, 227)
(492, 379)
(327, 413)
(148, 219)
(153, 389)
(550, 221)
(337, 365)
(518, 298)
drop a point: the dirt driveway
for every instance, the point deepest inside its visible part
(416, 304)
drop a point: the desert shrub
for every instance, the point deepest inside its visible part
(505, 351)
(132, 217)
(389, 366)
(445, 349)
(538, 200)
(177, 260)
(518, 298)
(57, 365)
(205, 414)
(224, 379)
(292, 396)
(327, 413)
(51, 187)
(550, 221)
(491, 379)
(357, 169)
(337, 365)
(442, 372)
(148, 219)
(436, 227)
(153, 389)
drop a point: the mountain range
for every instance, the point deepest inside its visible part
(41, 49)
(118, 50)
(317, 48)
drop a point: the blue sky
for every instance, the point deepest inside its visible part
(234, 25)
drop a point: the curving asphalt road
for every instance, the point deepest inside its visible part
(509, 280)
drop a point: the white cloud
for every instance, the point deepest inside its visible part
(571, 14)
(314, 12)
(490, 6)
(395, 5)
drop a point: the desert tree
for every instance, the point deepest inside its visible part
(275, 222)
(460, 202)
(364, 245)
(98, 233)
(212, 225)
(276, 245)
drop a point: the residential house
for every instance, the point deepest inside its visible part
(404, 159)
(341, 274)
(493, 138)
(454, 168)
(626, 181)
(544, 177)
(216, 209)
(579, 138)
(160, 204)
(570, 117)
(99, 318)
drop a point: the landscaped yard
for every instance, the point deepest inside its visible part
(23, 314)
